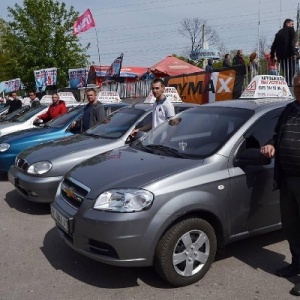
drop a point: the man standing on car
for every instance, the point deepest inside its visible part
(15, 103)
(163, 109)
(93, 112)
(285, 147)
(57, 108)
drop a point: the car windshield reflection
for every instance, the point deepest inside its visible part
(29, 114)
(116, 124)
(61, 121)
(194, 133)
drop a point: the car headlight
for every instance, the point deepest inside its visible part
(124, 200)
(4, 147)
(40, 167)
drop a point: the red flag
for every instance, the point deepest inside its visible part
(84, 22)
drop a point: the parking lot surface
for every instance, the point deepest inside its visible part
(36, 264)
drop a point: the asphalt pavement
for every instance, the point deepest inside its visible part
(36, 264)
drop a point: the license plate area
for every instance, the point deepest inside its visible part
(60, 219)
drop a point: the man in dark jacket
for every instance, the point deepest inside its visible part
(93, 112)
(15, 103)
(285, 147)
(283, 48)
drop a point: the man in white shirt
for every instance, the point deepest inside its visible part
(163, 109)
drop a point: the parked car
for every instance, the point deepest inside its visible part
(27, 119)
(4, 117)
(38, 170)
(13, 143)
(19, 122)
(171, 198)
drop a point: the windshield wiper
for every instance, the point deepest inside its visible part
(166, 149)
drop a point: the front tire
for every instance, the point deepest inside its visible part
(186, 251)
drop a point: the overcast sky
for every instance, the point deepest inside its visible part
(147, 31)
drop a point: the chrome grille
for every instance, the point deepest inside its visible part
(22, 164)
(73, 192)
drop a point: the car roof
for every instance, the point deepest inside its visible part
(253, 104)
(149, 106)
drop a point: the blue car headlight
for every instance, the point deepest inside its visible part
(4, 147)
(40, 167)
(124, 200)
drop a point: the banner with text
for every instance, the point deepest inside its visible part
(78, 77)
(44, 78)
(203, 87)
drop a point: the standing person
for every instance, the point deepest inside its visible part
(226, 61)
(253, 64)
(284, 48)
(93, 112)
(271, 65)
(15, 103)
(57, 108)
(238, 58)
(34, 100)
(209, 68)
(148, 75)
(284, 146)
(163, 109)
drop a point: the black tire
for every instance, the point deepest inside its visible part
(193, 260)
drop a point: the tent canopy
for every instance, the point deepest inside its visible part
(172, 66)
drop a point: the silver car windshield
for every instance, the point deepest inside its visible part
(197, 132)
(116, 124)
(30, 113)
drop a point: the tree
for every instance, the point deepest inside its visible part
(39, 35)
(197, 31)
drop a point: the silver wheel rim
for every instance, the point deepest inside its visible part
(191, 253)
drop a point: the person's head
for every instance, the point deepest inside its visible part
(32, 95)
(252, 56)
(158, 88)
(55, 99)
(148, 70)
(296, 86)
(239, 53)
(288, 23)
(227, 56)
(14, 95)
(210, 62)
(91, 96)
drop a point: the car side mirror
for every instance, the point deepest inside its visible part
(252, 157)
(39, 123)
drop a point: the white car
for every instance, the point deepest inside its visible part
(22, 122)
(26, 120)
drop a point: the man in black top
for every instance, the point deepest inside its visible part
(15, 103)
(285, 147)
(283, 48)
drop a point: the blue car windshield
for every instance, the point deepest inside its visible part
(30, 113)
(195, 133)
(66, 118)
(116, 124)
(16, 113)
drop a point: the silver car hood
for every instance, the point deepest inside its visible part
(127, 167)
(79, 145)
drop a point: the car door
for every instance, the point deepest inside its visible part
(254, 203)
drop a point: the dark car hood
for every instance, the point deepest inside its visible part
(126, 167)
(64, 147)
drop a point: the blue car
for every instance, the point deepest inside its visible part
(12, 144)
